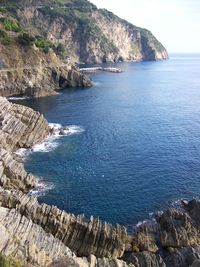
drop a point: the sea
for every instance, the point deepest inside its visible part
(133, 146)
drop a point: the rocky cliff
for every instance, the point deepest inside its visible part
(40, 80)
(87, 34)
(28, 70)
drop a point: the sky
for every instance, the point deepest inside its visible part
(175, 23)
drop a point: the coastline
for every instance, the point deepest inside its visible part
(162, 241)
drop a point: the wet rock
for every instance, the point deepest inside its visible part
(62, 132)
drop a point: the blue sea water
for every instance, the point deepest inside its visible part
(140, 148)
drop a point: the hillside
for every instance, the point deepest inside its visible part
(31, 65)
(81, 31)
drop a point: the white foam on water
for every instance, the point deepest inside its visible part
(60, 130)
(97, 84)
(18, 97)
(141, 223)
(23, 152)
(41, 188)
(51, 142)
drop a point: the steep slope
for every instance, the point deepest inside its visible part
(31, 65)
(88, 34)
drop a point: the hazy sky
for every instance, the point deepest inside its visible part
(176, 23)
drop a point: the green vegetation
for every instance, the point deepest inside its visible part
(11, 25)
(26, 39)
(60, 49)
(148, 38)
(5, 39)
(9, 262)
(45, 45)
(3, 10)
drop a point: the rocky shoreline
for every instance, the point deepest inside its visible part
(40, 81)
(41, 235)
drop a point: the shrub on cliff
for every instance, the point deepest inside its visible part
(8, 262)
(11, 25)
(45, 45)
(5, 39)
(26, 39)
(60, 49)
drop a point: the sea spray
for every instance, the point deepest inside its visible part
(48, 145)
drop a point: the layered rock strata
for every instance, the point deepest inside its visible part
(24, 240)
(20, 127)
(40, 81)
(83, 236)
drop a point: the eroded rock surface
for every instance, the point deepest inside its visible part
(40, 81)
(13, 174)
(20, 126)
(83, 236)
(23, 239)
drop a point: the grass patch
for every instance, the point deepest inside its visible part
(9, 262)
(11, 25)
(5, 39)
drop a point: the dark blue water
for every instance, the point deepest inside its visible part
(140, 150)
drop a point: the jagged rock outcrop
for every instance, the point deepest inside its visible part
(29, 243)
(83, 236)
(177, 229)
(12, 173)
(173, 241)
(20, 126)
(40, 81)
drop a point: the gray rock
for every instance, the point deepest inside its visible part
(83, 236)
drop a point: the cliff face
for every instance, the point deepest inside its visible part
(88, 34)
(40, 80)
(20, 127)
(28, 70)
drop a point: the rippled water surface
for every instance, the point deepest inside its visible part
(139, 147)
